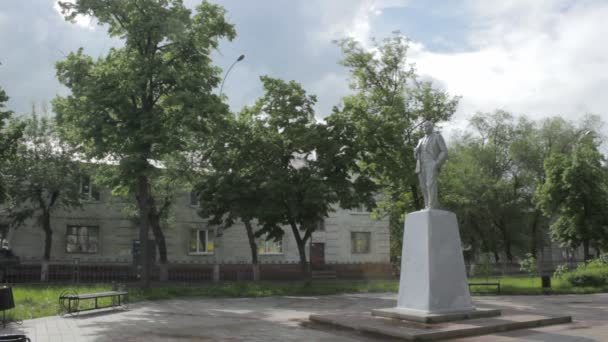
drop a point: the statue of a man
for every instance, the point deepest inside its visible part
(430, 154)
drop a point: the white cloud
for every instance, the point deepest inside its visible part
(353, 19)
(80, 20)
(539, 58)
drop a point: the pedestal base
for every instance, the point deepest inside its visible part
(422, 317)
(433, 277)
(413, 331)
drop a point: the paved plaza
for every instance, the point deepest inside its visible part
(286, 319)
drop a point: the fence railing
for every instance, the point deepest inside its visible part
(186, 272)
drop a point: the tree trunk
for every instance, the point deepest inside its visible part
(396, 239)
(496, 256)
(159, 236)
(586, 255)
(506, 241)
(301, 242)
(48, 234)
(534, 237)
(416, 197)
(304, 266)
(144, 200)
(254, 250)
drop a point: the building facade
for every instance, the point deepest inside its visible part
(102, 232)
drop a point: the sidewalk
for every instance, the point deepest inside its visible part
(280, 318)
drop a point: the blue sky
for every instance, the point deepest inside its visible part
(540, 58)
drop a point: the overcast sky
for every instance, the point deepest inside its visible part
(540, 58)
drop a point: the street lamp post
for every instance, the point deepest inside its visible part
(241, 57)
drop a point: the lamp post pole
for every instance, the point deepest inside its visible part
(241, 57)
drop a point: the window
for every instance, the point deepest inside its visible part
(360, 242)
(201, 241)
(194, 199)
(82, 239)
(270, 246)
(4, 236)
(88, 191)
(360, 209)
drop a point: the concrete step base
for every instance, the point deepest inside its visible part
(323, 275)
(415, 331)
(416, 316)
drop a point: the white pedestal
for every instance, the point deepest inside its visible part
(433, 277)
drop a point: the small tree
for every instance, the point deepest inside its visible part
(388, 105)
(528, 265)
(43, 178)
(303, 168)
(9, 135)
(230, 185)
(575, 192)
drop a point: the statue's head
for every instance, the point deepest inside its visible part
(427, 126)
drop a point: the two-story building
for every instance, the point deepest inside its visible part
(101, 232)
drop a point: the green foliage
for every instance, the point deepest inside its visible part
(593, 273)
(576, 193)
(10, 132)
(148, 103)
(528, 264)
(561, 271)
(383, 115)
(486, 188)
(486, 266)
(492, 177)
(285, 168)
(43, 177)
(146, 100)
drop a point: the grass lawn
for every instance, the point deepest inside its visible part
(531, 286)
(34, 301)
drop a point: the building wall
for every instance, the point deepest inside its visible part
(337, 237)
(117, 233)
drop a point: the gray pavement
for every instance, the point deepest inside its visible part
(286, 319)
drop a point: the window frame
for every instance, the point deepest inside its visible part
(353, 243)
(267, 244)
(194, 195)
(78, 227)
(88, 196)
(360, 210)
(198, 252)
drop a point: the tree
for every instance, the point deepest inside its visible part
(534, 143)
(9, 134)
(145, 101)
(301, 168)
(388, 105)
(490, 180)
(43, 178)
(575, 192)
(230, 185)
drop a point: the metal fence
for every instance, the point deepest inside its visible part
(188, 272)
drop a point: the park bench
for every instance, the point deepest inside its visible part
(497, 284)
(70, 302)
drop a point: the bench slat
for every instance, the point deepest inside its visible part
(95, 295)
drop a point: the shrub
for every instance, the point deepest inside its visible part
(528, 265)
(593, 273)
(485, 268)
(560, 271)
